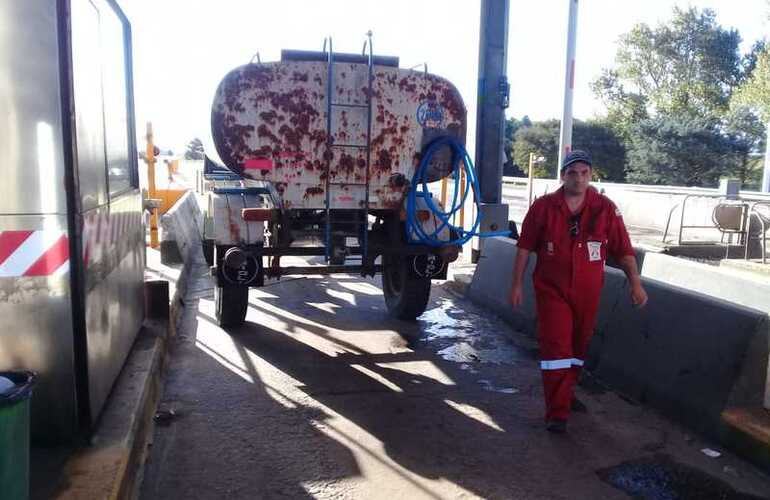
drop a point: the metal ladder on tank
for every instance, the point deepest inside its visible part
(361, 220)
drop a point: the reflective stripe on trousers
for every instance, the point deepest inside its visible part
(560, 364)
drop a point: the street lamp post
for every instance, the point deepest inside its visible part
(531, 174)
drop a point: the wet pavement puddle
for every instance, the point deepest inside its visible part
(661, 478)
(489, 386)
(467, 337)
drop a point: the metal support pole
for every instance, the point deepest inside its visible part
(531, 176)
(766, 173)
(493, 96)
(150, 159)
(565, 142)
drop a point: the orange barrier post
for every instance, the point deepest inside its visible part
(150, 159)
(443, 193)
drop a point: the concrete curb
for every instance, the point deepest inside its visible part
(111, 466)
(106, 468)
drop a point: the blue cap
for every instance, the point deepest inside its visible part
(574, 156)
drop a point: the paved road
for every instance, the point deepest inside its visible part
(321, 395)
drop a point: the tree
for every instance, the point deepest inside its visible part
(680, 150)
(512, 125)
(542, 139)
(597, 137)
(754, 95)
(606, 147)
(624, 108)
(750, 60)
(680, 82)
(754, 92)
(689, 65)
(746, 133)
(194, 150)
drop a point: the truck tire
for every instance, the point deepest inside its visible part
(406, 296)
(231, 303)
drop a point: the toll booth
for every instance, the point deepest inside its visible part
(71, 228)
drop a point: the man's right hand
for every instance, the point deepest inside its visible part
(517, 295)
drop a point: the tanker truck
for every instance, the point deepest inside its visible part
(332, 155)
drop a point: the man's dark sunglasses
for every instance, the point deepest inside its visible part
(574, 226)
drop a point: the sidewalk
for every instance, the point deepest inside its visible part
(109, 465)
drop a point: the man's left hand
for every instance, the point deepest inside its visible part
(638, 296)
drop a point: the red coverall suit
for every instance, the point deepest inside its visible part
(568, 280)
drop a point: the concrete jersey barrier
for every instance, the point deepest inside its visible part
(686, 354)
(181, 230)
(733, 285)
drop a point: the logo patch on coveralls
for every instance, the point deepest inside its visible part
(594, 250)
(549, 247)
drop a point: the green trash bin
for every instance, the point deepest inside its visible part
(15, 394)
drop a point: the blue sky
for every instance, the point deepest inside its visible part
(182, 48)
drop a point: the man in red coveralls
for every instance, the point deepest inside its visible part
(572, 231)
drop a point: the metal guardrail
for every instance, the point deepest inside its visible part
(682, 226)
(764, 222)
(753, 201)
(749, 217)
(674, 190)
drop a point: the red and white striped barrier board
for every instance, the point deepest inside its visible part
(46, 252)
(33, 253)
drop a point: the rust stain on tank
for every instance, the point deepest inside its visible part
(384, 160)
(313, 191)
(264, 131)
(269, 117)
(406, 85)
(346, 163)
(290, 116)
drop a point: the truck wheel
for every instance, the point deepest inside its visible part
(231, 303)
(406, 296)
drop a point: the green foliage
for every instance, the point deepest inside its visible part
(689, 65)
(596, 137)
(746, 133)
(684, 102)
(194, 150)
(607, 150)
(624, 108)
(684, 151)
(542, 139)
(754, 92)
(512, 125)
